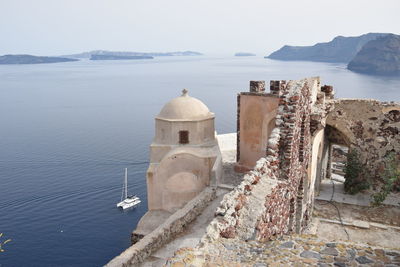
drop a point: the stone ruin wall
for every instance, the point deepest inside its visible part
(270, 200)
(276, 197)
(369, 126)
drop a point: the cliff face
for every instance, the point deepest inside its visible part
(340, 49)
(380, 56)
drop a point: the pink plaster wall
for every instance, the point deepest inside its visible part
(256, 113)
(177, 179)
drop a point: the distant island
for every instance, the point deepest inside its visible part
(111, 57)
(340, 49)
(244, 54)
(29, 59)
(92, 55)
(380, 56)
(131, 54)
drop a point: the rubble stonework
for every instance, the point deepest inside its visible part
(369, 126)
(277, 196)
(271, 200)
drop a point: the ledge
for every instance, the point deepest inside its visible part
(174, 225)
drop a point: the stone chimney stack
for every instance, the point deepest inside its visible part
(257, 86)
(276, 86)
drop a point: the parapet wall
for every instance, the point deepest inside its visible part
(271, 200)
(174, 225)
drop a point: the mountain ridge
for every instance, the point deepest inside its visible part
(339, 50)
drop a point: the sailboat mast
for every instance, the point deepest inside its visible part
(126, 183)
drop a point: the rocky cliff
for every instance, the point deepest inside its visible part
(340, 49)
(380, 56)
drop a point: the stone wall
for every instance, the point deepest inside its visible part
(271, 200)
(174, 225)
(369, 126)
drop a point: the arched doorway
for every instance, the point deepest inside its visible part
(332, 160)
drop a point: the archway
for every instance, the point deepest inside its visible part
(332, 159)
(339, 145)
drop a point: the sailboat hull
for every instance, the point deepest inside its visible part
(129, 203)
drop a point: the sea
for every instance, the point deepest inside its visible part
(68, 130)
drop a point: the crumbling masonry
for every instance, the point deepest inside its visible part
(276, 196)
(368, 126)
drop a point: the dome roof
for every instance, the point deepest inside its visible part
(185, 108)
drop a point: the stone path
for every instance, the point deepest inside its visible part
(196, 230)
(230, 177)
(360, 199)
(227, 143)
(295, 250)
(189, 238)
(384, 214)
(377, 226)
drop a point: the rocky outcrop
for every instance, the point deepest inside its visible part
(29, 59)
(340, 49)
(380, 56)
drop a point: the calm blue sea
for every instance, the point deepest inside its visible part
(68, 130)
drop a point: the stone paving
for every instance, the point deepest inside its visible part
(360, 199)
(295, 250)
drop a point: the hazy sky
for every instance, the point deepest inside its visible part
(54, 27)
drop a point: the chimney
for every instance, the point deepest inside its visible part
(257, 86)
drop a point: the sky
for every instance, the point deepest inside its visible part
(57, 27)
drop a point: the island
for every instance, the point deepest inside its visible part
(380, 56)
(89, 54)
(29, 59)
(244, 54)
(112, 57)
(340, 50)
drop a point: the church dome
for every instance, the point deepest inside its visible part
(185, 108)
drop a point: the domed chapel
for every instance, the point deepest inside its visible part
(184, 155)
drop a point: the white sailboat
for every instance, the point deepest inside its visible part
(127, 201)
